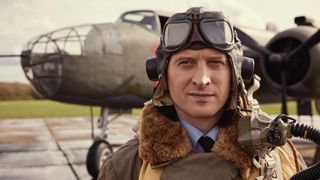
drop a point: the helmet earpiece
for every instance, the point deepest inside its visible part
(152, 68)
(247, 69)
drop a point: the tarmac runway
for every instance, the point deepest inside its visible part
(53, 148)
(56, 148)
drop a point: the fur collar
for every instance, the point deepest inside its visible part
(163, 140)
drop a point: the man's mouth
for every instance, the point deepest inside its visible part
(196, 93)
(201, 96)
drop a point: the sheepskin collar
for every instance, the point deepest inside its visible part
(162, 141)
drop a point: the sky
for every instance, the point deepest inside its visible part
(20, 20)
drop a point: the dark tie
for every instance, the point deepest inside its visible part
(206, 142)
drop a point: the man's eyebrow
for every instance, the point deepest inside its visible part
(217, 57)
(184, 57)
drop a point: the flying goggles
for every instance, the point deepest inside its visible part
(212, 29)
(184, 30)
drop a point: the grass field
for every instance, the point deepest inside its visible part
(41, 109)
(46, 108)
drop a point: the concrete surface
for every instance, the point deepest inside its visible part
(53, 148)
(56, 148)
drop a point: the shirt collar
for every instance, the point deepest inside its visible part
(195, 134)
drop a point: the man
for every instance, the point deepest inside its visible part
(189, 129)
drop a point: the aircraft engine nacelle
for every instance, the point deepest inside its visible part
(301, 73)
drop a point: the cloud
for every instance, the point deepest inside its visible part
(20, 20)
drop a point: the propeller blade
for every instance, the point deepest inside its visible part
(251, 43)
(313, 40)
(10, 55)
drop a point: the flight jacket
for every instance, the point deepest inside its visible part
(162, 150)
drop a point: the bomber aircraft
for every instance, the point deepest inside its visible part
(104, 65)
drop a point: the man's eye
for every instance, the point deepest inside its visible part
(184, 62)
(216, 62)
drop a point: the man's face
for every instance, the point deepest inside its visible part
(199, 83)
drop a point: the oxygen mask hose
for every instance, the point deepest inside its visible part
(312, 134)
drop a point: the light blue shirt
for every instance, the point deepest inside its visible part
(195, 134)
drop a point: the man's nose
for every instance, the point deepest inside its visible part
(201, 77)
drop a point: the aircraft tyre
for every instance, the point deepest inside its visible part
(97, 152)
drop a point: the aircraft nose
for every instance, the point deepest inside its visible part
(41, 61)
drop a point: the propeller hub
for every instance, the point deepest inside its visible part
(276, 59)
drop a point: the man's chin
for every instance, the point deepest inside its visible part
(203, 115)
(205, 112)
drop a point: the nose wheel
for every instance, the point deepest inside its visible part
(100, 148)
(96, 154)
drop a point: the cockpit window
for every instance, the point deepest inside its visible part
(147, 19)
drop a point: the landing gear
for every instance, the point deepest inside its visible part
(317, 103)
(100, 147)
(304, 107)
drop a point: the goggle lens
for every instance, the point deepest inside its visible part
(176, 34)
(217, 32)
